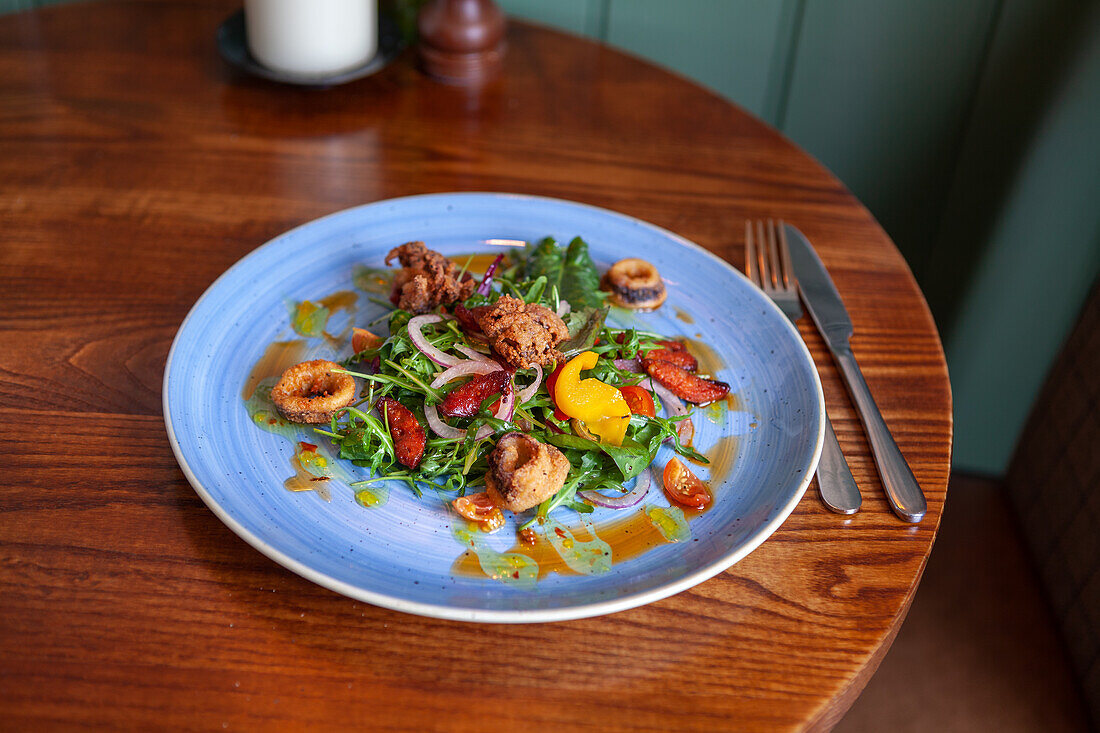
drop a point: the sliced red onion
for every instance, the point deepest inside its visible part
(487, 281)
(671, 402)
(564, 308)
(628, 365)
(675, 407)
(474, 354)
(442, 429)
(623, 501)
(421, 342)
(686, 430)
(529, 391)
(507, 404)
(464, 369)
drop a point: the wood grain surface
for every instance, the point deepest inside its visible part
(135, 167)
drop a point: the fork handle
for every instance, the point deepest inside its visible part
(834, 479)
(902, 489)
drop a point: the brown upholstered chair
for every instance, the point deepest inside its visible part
(1054, 482)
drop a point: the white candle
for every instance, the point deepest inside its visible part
(311, 36)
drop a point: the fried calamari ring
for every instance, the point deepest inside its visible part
(312, 391)
(634, 283)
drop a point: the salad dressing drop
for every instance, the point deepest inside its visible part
(277, 358)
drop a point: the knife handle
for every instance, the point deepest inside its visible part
(834, 479)
(902, 489)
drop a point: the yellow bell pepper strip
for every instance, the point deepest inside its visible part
(599, 406)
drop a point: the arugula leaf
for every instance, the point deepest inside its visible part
(545, 259)
(580, 281)
(584, 326)
(569, 271)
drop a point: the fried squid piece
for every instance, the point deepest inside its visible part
(524, 334)
(524, 472)
(312, 391)
(427, 279)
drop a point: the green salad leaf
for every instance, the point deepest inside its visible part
(569, 272)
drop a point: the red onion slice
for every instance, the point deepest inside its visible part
(473, 354)
(628, 365)
(442, 429)
(464, 369)
(624, 501)
(529, 391)
(675, 407)
(421, 342)
(564, 308)
(672, 403)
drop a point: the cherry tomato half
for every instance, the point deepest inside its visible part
(639, 401)
(480, 508)
(362, 339)
(684, 487)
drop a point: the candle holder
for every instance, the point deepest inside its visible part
(461, 41)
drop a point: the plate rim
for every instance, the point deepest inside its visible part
(481, 615)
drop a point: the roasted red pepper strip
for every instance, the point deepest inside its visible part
(408, 436)
(686, 385)
(550, 382)
(466, 319)
(466, 400)
(680, 358)
(673, 345)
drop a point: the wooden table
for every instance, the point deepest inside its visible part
(135, 167)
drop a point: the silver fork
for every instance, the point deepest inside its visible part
(768, 264)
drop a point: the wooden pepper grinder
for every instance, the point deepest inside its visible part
(461, 41)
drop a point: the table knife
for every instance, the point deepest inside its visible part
(827, 310)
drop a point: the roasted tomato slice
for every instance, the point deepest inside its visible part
(362, 339)
(480, 508)
(639, 401)
(679, 357)
(551, 381)
(408, 436)
(684, 487)
(466, 400)
(466, 319)
(686, 385)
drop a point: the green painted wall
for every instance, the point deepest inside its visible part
(968, 127)
(879, 93)
(1019, 245)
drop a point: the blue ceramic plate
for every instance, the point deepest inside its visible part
(408, 553)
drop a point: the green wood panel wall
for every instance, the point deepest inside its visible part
(879, 93)
(586, 17)
(968, 127)
(739, 48)
(1027, 190)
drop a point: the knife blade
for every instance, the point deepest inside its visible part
(827, 309)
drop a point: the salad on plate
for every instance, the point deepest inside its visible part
(509, 392)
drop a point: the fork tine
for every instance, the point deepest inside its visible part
(776, 275)
(751, 268)
(789, 277)
(762, 257)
